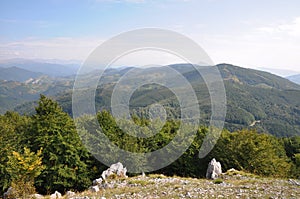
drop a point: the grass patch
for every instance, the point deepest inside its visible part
(233, 172)
(157, 176)
(140, 182)
(218, 181)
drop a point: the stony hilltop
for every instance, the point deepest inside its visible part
(232, 184)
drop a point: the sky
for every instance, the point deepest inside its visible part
(252, 34)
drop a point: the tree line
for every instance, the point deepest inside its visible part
(44, 152)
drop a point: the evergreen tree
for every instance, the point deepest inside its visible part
(63, 154)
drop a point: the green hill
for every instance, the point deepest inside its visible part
(22, 94)
(255, 99)
(17, 74)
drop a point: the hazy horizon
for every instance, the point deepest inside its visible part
(250, 34)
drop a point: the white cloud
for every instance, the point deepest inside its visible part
(65, 48)
(283, 28)
(58, 48)
(275, 45)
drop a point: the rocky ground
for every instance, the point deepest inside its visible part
(230, 185)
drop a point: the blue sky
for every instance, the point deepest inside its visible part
(254, 34)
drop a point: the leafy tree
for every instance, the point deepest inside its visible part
(292, 146)
(247, 150)
(23, 169)
(292, 149)
(189, 164)
(12, 128)
(297, 162)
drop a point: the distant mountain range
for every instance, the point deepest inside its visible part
(279, 71)
(294, 78)
(18, 74)
(50, 69)
(255, 99)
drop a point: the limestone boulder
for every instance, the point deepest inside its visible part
(117, 169)
(214, 169)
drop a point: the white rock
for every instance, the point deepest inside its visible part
(70, 194)
(214, 169)
(114, 169)
(8, 193)
(232, 170)
(108, 172)
(37, 196)
(294, 182)
(94, 188)
(97, 181)
(55, 195)
(188, 194)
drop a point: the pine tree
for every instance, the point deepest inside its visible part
(63, 154)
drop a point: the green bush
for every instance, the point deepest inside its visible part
(218, 181)
(23, 169)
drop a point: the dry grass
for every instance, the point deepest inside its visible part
(160, 186)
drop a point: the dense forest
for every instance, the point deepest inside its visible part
(257, 99)
(43, 152)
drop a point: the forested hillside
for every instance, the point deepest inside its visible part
(255, 99)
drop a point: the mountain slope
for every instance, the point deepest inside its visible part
(17, 74)
(255, 77)
(255, 99)
(51, 69)
(14, 93)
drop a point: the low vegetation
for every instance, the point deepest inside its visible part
(165, 187)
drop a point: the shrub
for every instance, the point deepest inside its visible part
(24, 168)
(218, 181)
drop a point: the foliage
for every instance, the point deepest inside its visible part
(23, 169)
(246, 150)
(250, 151)
(251, 95)
(218, 181)
(25, 166)
(63, 155)
(69, 165)
(292, 149)
(12, 128)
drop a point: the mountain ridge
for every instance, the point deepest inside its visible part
(252, 95)
(50, 69)
(15, 73)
